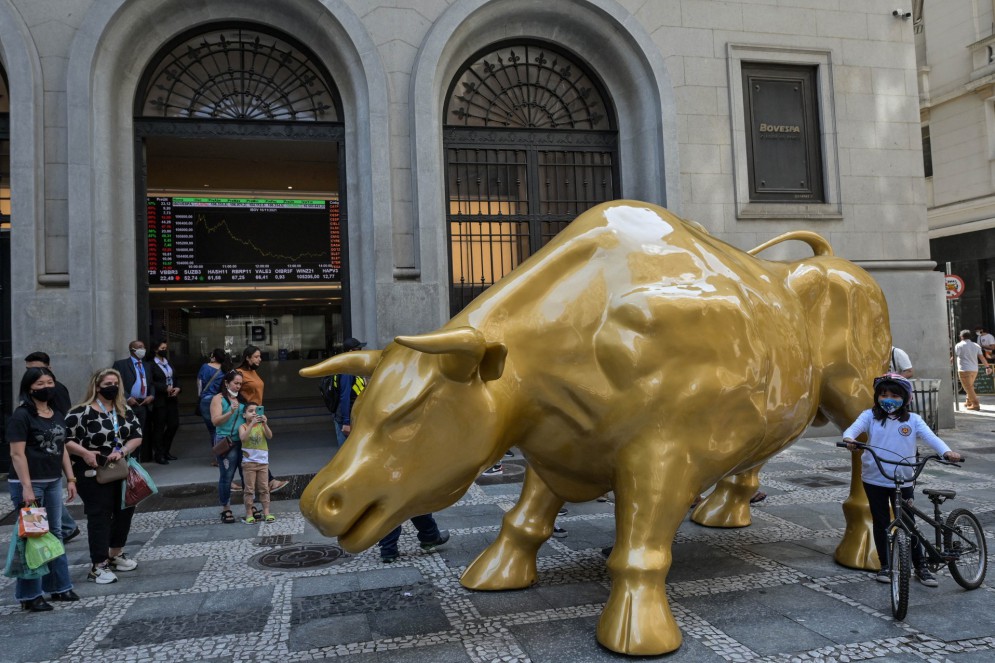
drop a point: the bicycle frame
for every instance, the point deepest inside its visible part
(936, 554)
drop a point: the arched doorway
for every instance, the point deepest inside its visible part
(531, 142)
(240, 199)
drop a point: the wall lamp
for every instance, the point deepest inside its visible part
(898, 13)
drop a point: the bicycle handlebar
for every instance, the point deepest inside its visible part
(918, 465)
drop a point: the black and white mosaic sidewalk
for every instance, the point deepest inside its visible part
(205, 591)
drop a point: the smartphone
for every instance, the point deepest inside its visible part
(259, 411)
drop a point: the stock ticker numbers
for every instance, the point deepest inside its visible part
(232, 240)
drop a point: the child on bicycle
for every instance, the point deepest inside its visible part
(254, 434)
(892, 430)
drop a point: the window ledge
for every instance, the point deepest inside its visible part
(762, 211)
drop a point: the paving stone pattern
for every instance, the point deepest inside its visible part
(769, 592)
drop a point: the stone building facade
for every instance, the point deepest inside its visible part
(676, 78)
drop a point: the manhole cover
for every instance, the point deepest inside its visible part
(817, 482)
(294, 558)
(275, 540)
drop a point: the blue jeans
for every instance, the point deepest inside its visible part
(205, 412)
(49, 494)
(227, 466)
(68, 523)
(427, 528)
(340, 437)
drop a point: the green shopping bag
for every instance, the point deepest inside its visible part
(17, 565)
(39, 550)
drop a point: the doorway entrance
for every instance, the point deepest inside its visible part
(240, 204)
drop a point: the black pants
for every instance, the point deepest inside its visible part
(108, 525)
(165, 421)
(142, 413)
(881, 499)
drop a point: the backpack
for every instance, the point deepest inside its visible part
(329, 390)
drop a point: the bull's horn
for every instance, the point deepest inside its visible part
(464, 350)
(357, 362)
(820, 245)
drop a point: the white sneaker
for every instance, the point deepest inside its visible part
(122, 563)
(101, 575)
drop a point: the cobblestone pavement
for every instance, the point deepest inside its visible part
(770, 592)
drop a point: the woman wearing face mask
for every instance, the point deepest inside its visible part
(892, 430)
(37, 436)
(227, 415)
(165, 408)
(103, 428)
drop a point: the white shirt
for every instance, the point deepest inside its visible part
(986, 339)
(895, 440)
(899, 360)
(967, 355)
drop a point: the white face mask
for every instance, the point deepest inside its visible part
(140, 353)
(233, 393)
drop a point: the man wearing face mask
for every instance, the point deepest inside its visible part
(139, 391)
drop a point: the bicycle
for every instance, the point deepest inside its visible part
(959, 542)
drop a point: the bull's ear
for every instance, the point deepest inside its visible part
(462, 351)
(357, 362)
(492, 365)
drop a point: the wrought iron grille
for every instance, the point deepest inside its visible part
(238, 73)
(527, 86)
(530, 144)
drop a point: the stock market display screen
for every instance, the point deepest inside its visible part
(232, 240)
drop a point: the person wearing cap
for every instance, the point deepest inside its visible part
(968, 354)
(893, 431)
(350, 387)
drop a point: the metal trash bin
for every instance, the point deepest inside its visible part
(926, 401)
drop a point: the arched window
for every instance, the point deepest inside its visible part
(238, 73)
(530, 143)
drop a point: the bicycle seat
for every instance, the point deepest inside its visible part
(936, 492)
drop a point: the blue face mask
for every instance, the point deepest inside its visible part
(890, 405)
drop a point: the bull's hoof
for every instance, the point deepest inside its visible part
(856, 550)
(501, 566)
(639, 623)
(722, 509)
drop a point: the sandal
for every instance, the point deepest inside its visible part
(758, 496)
(270, 518)
(257, 513)
(250, 520)
(227, 517)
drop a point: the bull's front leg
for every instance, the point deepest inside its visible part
(652, 497)
(510, 562)
(729, 504)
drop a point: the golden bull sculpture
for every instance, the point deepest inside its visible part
(634, 353)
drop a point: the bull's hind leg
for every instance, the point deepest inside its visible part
(510, 562)
(729, 504)
(652, 497)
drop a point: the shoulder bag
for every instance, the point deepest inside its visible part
(196, 406)
(225, 444)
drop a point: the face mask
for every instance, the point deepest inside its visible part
(162, 353)
(45, 394)
(233, 393)
(109, 392)
(890, 405)
(140, 353)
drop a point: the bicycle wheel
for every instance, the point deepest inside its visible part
(901, 570)
(963, 534)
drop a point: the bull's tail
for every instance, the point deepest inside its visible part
(819, 244)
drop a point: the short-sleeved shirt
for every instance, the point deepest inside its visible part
(208, 388)
(252, 387)
(94, 429)
(255, 448)
(230, 427)
(44, 442)
(967, 355)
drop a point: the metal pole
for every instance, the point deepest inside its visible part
(950, 335)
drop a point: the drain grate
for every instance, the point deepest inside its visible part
(817, 482)
(274, 540)
(295, 558)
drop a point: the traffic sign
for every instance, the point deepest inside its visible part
(954, 286)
